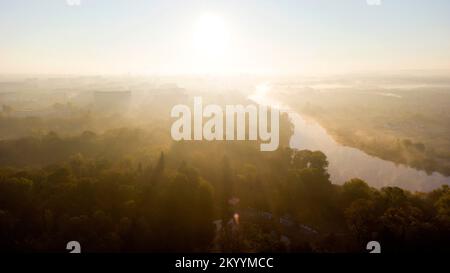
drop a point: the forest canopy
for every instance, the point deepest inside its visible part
(96, 193)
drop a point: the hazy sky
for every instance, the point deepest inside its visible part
(143, 36)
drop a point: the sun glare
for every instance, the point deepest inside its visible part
(211, 35)
(211, 44)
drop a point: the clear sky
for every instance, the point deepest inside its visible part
(245, 36)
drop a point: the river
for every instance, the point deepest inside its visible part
(346, 163)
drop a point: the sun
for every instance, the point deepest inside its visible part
(211, 34)
(211, 37)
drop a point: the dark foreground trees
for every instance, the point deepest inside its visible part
(210, 197)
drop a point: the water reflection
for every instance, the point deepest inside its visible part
(346, 162)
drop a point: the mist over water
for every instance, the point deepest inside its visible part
(346, 163)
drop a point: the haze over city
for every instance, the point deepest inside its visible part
(225, 126)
